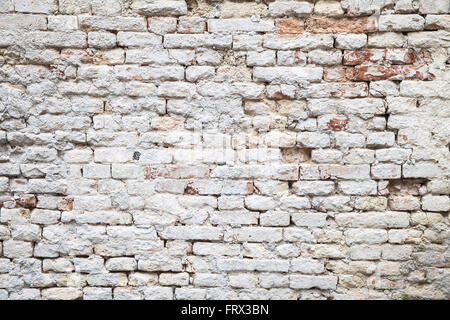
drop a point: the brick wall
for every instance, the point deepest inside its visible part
(208, 149)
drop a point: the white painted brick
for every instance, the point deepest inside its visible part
(374, 219)
(309, 282)
(245, 25)
(309, 219)
(421, 170)
(62, 23)
(386, 171)
(39, 6)
(256, 234)
(359, 188)
(160, 7)
(288, 8)
(351, 41)
(197, 40)
(261, 59)
(434, 6)
(406, 22)
(436, 203)
(192, 233)
(287, 74)
(308, 266)
(370, 236)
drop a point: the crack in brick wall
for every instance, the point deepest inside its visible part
(209, 149)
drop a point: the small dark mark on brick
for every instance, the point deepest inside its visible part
(136, 155)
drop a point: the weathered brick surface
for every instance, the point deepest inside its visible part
(155, 149)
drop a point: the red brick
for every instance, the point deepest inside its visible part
(65, 204)
(336, 74)
(167, 123)
(191, 25)
(375, 72)
(26, 201)
(337, 124)
(333, 25)
(372, 56)
(290, 25)
(404, 187)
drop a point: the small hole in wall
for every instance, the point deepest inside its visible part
(136, 155)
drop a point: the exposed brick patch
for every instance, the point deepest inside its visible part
(374, 72)
(331, 25)
(26, 201)
(190, 189)
(290, 25)
(337, 124)
(368, 56)
(65, 204)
